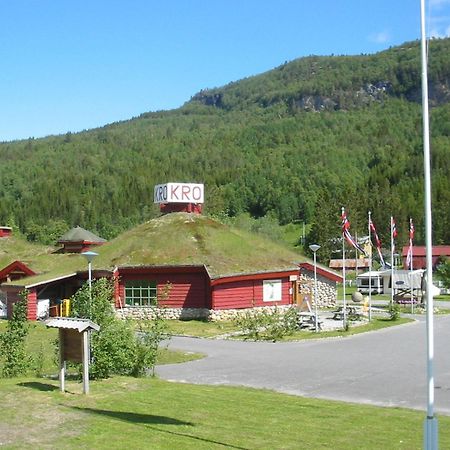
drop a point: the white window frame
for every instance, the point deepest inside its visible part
(272, 290)
(141, 293)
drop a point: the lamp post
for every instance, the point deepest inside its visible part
(314, 248)
(90, 257)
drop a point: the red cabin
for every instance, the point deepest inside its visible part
(5, 231)
(419, 255)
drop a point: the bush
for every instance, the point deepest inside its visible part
(150, 335)
(267, 325)
(12, 341)
(394, 311)
(116, 348)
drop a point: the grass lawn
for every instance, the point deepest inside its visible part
(132, 413)
(376, 323)
(211, 329)
(41, 341)
(138, 413)
(200, 328)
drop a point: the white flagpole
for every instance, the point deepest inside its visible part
(344, 315)
(430, 425)
(370, 268)
(411, 265)
(392, 262)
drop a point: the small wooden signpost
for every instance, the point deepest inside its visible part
(73, 345)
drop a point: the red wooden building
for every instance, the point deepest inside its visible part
(419, 255)
(187, 263)
(15, 271)
(78, 240)
(5, 231)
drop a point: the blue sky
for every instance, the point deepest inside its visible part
(73, 65)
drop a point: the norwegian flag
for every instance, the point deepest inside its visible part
(393, 234)
(347, 235)
(377, 241)
(345, 222)
(393, 228)
(411, 229)
(409, 256)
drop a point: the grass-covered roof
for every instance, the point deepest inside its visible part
(170, 240)
(182, 238)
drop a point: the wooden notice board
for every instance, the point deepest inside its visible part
(72, 345)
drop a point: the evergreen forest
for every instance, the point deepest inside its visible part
(294, 144)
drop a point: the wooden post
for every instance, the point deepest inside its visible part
(62, 362)
(85, 362)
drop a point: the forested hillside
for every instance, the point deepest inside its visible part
(296, 143)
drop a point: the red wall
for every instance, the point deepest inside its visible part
(246, 294)
(188, 290)
(14, 296)
(420, 262)
(32, 305)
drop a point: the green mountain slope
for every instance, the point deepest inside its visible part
(297, 142)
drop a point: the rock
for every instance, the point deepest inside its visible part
(357, 297)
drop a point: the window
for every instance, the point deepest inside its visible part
(140, 293)
(271, 290)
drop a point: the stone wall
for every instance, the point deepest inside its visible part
(326, 289)
(193, 313)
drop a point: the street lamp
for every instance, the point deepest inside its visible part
(90, 257)
(314, 248)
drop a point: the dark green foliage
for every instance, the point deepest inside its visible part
(315, 133)
(443, 272)
(12, 341)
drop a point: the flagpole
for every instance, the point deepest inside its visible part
(430, 425)
(411, 228)
(344, 315)
(392, 262)
(370, 269)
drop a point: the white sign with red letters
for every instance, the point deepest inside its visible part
(178, 193)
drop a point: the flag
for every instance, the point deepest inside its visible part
(411, 229)
(393, 228)
(377, 241)
(409, 256)
(345, 222)
(393, 236)
(347, 235)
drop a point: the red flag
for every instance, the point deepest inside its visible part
(393, 228)
(409, 256)
(345, 222)
(375, 234)
(347, 235)
(377, 241)
(411, 229)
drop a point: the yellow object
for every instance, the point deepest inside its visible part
(366, 304)
(65, 308)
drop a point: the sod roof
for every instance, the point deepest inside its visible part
(179, 239)
(79, 234)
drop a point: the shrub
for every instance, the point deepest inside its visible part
(12, 341)
(150, 335)
(267, 325)
(394, 311)
(116, 348)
